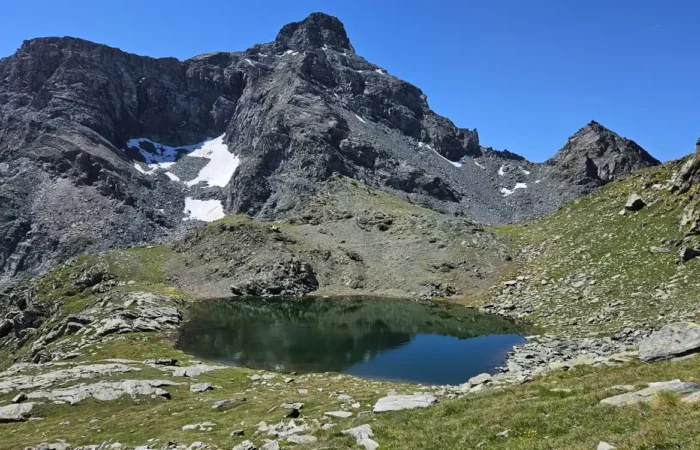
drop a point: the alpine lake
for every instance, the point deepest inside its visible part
(398, 340)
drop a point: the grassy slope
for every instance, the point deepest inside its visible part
(588, 240)
(588, 237)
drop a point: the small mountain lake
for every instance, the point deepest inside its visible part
(397, 340)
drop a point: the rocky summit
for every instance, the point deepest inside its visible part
(103, 149)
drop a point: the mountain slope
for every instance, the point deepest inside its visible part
(100, 148)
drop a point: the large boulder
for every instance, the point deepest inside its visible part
(401, 402)
(15, 413)
(674, 340)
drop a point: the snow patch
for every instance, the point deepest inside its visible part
(288, 52)
(172, 176)
(204, 210)
(501, 170)
(262, 55)
(480, 165)
(380, 71)
(250, 62)
(507, 192)
(526, 172)
(456, 164)
(325, 47)
(222, 163)
(537, 181)
(360, 119)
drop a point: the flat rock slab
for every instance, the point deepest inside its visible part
(15, 413)
(671, 341)
(302, 439)
(201, 387)
(190, 371)
(26, 382)
(227, 403)
(105, 391)
(338, 414)
(648, 394)
(363, 436)
(401, 402)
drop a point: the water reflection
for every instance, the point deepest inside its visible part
(376, 338)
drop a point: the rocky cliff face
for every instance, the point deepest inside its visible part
(100, 148)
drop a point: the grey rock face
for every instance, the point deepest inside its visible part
(293, 111)
(671, 341)
(401, 402)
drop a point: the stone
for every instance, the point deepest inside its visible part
(605, 446)
(201, 387)
(673, 340)
(271, 445)
(634, 203)
(503, 434)
(227, 403)
(296, 405)
(401, 402)
(338, 414)
(660, 250)
(479, 379)
(15, 413)
(202, 426)
(302, 439)
(648, 394)
(191, 371)
(255, 378)
(237, 433)
(345, 398)
(245, 445)
(19, 398)
(363, 436)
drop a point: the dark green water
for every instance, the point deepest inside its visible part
(373, 338)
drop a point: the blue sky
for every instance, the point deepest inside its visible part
(525, 73)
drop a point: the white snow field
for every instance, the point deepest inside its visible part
(204, 210)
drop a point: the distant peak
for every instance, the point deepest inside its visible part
(315, 31)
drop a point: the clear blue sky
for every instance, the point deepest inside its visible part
(526, 73)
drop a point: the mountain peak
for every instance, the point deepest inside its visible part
(317, 30)
(596, 155)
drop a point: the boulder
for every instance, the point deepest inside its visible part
(634, 203)
(688, 253)
(480, 379)
(401, 402)
(15, 413)
(338, 414)
(605, 446)
(671, 341)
